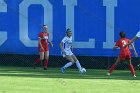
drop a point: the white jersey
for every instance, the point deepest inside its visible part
(67, 43)
(138, 34)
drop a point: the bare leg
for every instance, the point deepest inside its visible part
(46, 60)
(41, 58)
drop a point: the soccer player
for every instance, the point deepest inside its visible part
(66, 46)
(125, 53)
(43, 41)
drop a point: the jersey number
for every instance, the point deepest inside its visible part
(123, 42)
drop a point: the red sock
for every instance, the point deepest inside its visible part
(37, 61)
(46, 63)
(112, 68)
(132, 69)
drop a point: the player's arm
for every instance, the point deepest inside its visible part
(115, 47)
(133, 47)
(61, 46)
(50, 43)
(39, 41)
(132, 40)
(72, 47)
(61, 43)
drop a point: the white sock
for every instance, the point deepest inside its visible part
(68, 65)
(78, 65)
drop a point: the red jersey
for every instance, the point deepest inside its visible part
(123, 51)
(44, 40)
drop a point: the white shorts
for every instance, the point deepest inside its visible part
(67, 52)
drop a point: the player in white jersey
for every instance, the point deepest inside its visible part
(66, 46)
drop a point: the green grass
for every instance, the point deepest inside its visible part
(28, 80)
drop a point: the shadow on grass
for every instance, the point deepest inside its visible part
(69, 74)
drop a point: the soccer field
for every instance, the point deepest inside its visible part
(28, 80)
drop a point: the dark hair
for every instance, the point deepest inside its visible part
(122, 34)
(68, 30)
(44, 25)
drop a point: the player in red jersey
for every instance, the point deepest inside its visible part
(43, 41)
(125, 53)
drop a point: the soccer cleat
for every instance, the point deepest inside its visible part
(134, 76)
(83, 70)
(62, 70)
(45, 68)
(108, 74)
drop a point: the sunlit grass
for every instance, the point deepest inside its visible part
(28, 80)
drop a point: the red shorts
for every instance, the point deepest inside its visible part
(45, 49)
(123, 57)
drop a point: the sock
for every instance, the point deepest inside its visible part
(46, 63)
(68, 65)
(132, 69)
(37, 61)
(78, 65)
(112, 68)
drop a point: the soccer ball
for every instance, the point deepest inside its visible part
(83, 70)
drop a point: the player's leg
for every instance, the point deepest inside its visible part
(76, 61)
(40, 59)
(71, 61)
(46, 60)
(131, 67)
(114, 66)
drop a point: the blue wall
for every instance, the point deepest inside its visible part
(95, 24)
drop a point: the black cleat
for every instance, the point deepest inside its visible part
(45, 68)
